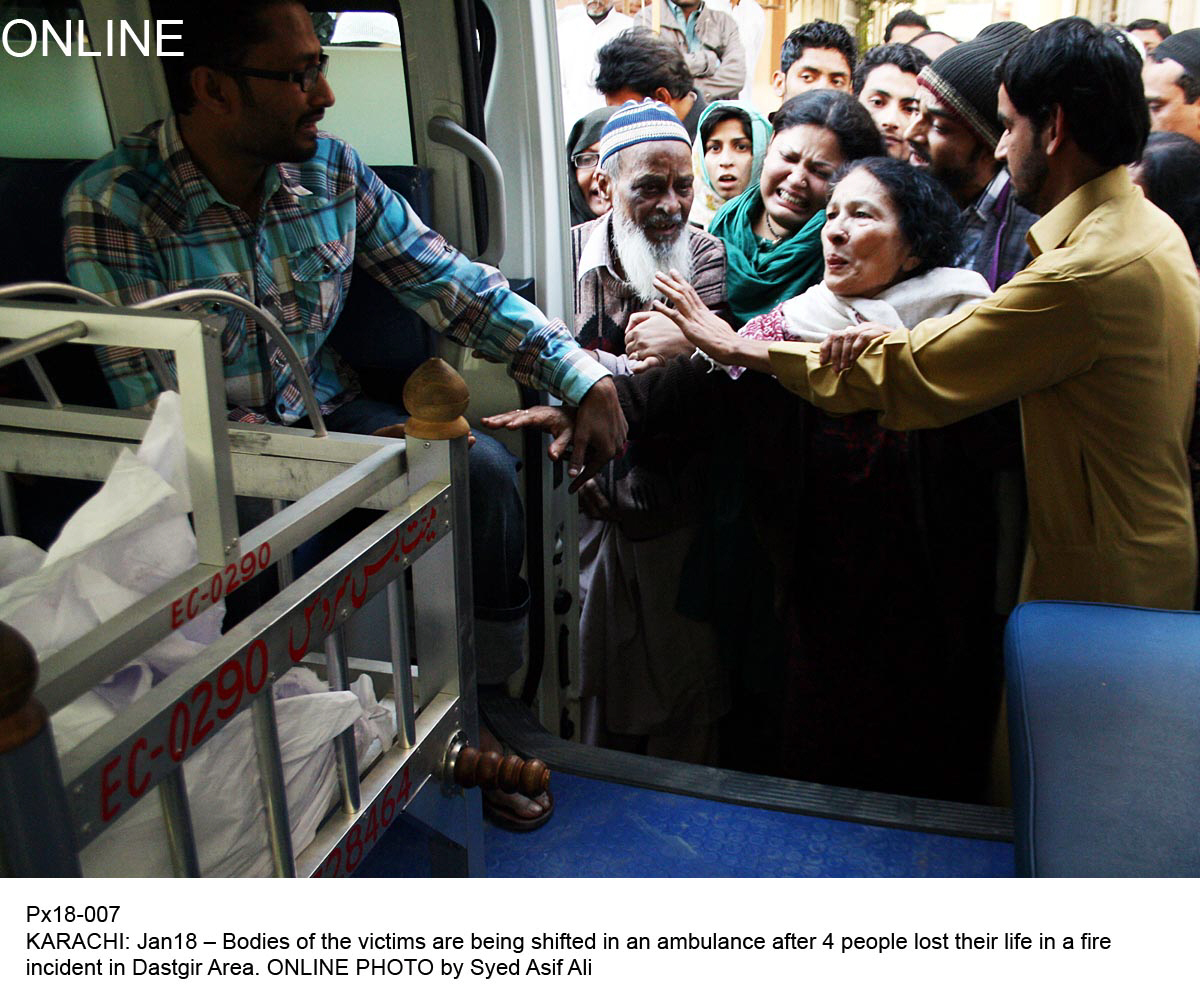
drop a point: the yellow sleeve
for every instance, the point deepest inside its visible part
(1031, 333)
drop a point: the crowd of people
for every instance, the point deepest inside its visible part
(910, 347)
(846, 379)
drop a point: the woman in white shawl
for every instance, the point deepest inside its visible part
(883, 241)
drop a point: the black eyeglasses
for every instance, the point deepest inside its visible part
(305, 78)
(584, 160)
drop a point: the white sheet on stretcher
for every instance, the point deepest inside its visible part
(228, 813)
(129, 539)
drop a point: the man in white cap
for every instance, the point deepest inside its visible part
(650, 677)
(646, 171)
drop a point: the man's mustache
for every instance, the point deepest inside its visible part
(663, 219)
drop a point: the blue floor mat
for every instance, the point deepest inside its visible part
(602, 829)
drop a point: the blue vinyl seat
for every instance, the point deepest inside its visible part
(1104, 728)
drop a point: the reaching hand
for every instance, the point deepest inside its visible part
(650, 337)
(592, 436)
(600, 432)
(844, 348)
(554, 420)
(695, 320)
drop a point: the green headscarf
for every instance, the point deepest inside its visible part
(759, 275)
(706, 202)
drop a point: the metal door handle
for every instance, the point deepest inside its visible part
(450, 133)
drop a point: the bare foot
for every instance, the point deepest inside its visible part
(518, 804)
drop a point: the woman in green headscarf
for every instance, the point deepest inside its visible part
(772, 231)
(727, 156)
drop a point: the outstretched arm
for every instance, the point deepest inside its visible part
(567, 427)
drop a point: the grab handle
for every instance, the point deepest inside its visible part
(450, 133)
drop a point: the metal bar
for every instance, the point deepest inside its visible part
(283, 567)
(402, 691)
(472, 857)
(108, 772)
(248, 438)
(24, 289)
(265, 476)
(172, 299)
(162, 371)
(90, 659)
(10, 521)
(450, 133)
(209, 466)
(198, 352)
(343, 742)
(274, 788)
(394, 782)
(434, 597)
(283, 463)
(465, 603)
(43, 341)
(181, 835)
(43, 382)
(269, 326)
(121, 426)
(27, 288)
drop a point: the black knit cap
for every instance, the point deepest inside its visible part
(1184, 48)
(964, 78)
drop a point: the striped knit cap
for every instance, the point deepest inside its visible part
(964, 78)
(650, 121)
(1184, 48)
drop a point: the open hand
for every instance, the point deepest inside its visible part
(557, 421)
(695, 320)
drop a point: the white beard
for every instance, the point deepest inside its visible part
(641, 259)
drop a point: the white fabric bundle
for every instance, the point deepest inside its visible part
(128, 540)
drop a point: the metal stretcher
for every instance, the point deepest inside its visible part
(51, 809)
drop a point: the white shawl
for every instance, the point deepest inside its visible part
(818, 312)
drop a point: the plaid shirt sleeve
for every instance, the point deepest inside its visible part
(471, 302)
(118, 262)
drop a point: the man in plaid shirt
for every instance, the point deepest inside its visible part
(238, 190)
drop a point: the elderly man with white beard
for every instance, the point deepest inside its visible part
(650, 676)
(645, 170)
